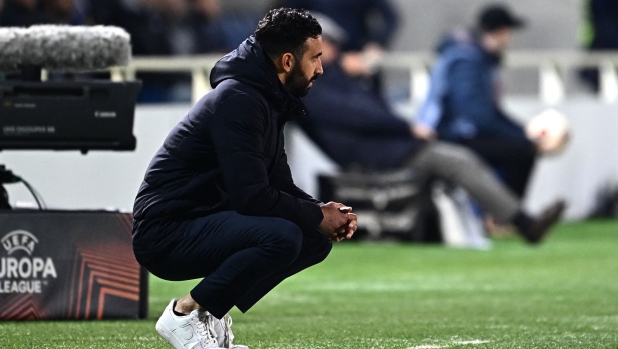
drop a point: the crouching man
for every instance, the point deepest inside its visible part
(218, 201)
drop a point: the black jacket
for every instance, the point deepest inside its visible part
(227, 153)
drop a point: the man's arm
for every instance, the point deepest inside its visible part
(432, 110)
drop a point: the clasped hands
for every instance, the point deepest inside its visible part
(339, 222)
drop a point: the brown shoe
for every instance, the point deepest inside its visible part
(542, 224)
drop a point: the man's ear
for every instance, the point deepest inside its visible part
(287, 62)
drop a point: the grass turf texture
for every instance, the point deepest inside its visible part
(562, 294)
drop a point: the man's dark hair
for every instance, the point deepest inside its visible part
(285, 30)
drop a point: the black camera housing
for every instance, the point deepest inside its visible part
(68, 115)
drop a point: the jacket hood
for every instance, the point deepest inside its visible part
(250, 64)
(466, 40)
(456, 38)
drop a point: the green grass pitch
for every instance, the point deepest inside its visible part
(562, 294)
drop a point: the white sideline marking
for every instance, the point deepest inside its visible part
(474, 342)
(433, 346)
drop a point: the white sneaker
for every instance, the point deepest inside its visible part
(187, 331)
(223, 331)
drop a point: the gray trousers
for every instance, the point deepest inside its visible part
(460, 166)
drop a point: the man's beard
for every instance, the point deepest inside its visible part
(297, 84)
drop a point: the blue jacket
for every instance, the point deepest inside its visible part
(353, 125)
(462, 99)
(227, 153)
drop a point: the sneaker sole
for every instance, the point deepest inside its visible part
(170, 338)
(166, 334)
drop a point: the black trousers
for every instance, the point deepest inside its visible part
(513, 159)
(240, 258)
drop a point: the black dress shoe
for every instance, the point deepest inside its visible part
(542, 224)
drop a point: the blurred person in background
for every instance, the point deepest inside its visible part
(148, 23)
(22, 13)
(143, 19)
(175, 14)
(200, 27)
(64, 12)
(183, 42)
(207, 25)
(168, 28)
(370, 24)
(599, 32)
(355, 127)
(462, 105)
(220, 30)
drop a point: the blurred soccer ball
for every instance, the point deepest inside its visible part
(549, 130)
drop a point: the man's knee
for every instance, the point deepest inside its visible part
(445, 159)
(285, 238)
(324, 250)
(315, 250)
(460, 154)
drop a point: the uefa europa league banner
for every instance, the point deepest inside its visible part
(69, 265)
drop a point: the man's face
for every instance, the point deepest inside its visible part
(504, 37)
(305, 71)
